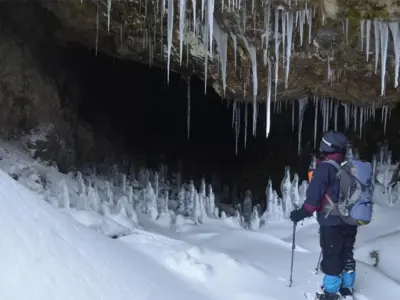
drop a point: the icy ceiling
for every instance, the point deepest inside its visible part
(255, 51)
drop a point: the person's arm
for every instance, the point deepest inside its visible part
(317, 188)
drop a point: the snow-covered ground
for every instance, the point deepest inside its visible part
(59, 243)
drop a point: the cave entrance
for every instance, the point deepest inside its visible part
(137, 109)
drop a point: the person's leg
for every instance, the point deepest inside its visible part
(349, 263)
(331, 265)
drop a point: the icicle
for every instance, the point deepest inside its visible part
(267, 18)
(222, 42)
(268, 102)
(346, 22)
(108, 14)
(385, 119)
(206, 39)
(361, 120)
(336, 114)
(362, 25)
(289, 26)
(302, 109)
(293, 108)
(377, 30)
(394, 29)
(310, 27)
(277, 43)
(182, 18)
(233, 113)
(97, 27)
(245, 124)
(170, 24)
(384, 50)
(188, 108)
(367, 40)
(284, 36)
(237, 129)
(194, 15)
(355, 118)
(253, 57)
(315, 123)
(346, 117)
(301, 25)
(210, 12)
(202, 9)
(234, 39)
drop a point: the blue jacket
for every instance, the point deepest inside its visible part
(323, 182)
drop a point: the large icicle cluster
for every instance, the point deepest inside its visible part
(355, 117)
(381, 40)
(196, 22)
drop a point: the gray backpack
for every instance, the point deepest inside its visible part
(355, 204)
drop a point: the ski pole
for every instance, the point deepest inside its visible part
(319, 261)
(293, 247)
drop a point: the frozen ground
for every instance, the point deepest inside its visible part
(50, 253)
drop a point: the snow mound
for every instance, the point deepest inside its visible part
(102, 224)
(45, 255)
(382, 253)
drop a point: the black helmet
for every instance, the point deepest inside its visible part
(333, 141)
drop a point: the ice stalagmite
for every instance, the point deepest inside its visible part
(170, 25)
(182, 18)
(377, 30)
(268, 102)
(188, 108)
(222, 42)
(367, 39)
(302, 109)
(289, 27)
(384, 50)
(394, 29)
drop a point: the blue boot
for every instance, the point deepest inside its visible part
(331, 284)
(348, 279)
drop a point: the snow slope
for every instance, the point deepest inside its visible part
(44, 254)
(49, 253)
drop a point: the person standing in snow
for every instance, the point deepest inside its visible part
(337, 238)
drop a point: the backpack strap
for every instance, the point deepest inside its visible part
(332, 208)
(332, 162)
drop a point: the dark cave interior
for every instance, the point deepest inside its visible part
(149, 117)
(135, 107)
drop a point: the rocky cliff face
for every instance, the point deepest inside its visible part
(342, 49)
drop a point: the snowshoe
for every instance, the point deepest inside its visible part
(347, 293)
(327, 296)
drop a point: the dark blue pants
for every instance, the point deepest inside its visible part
(337, 244)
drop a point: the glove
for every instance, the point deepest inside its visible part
(299, 214)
